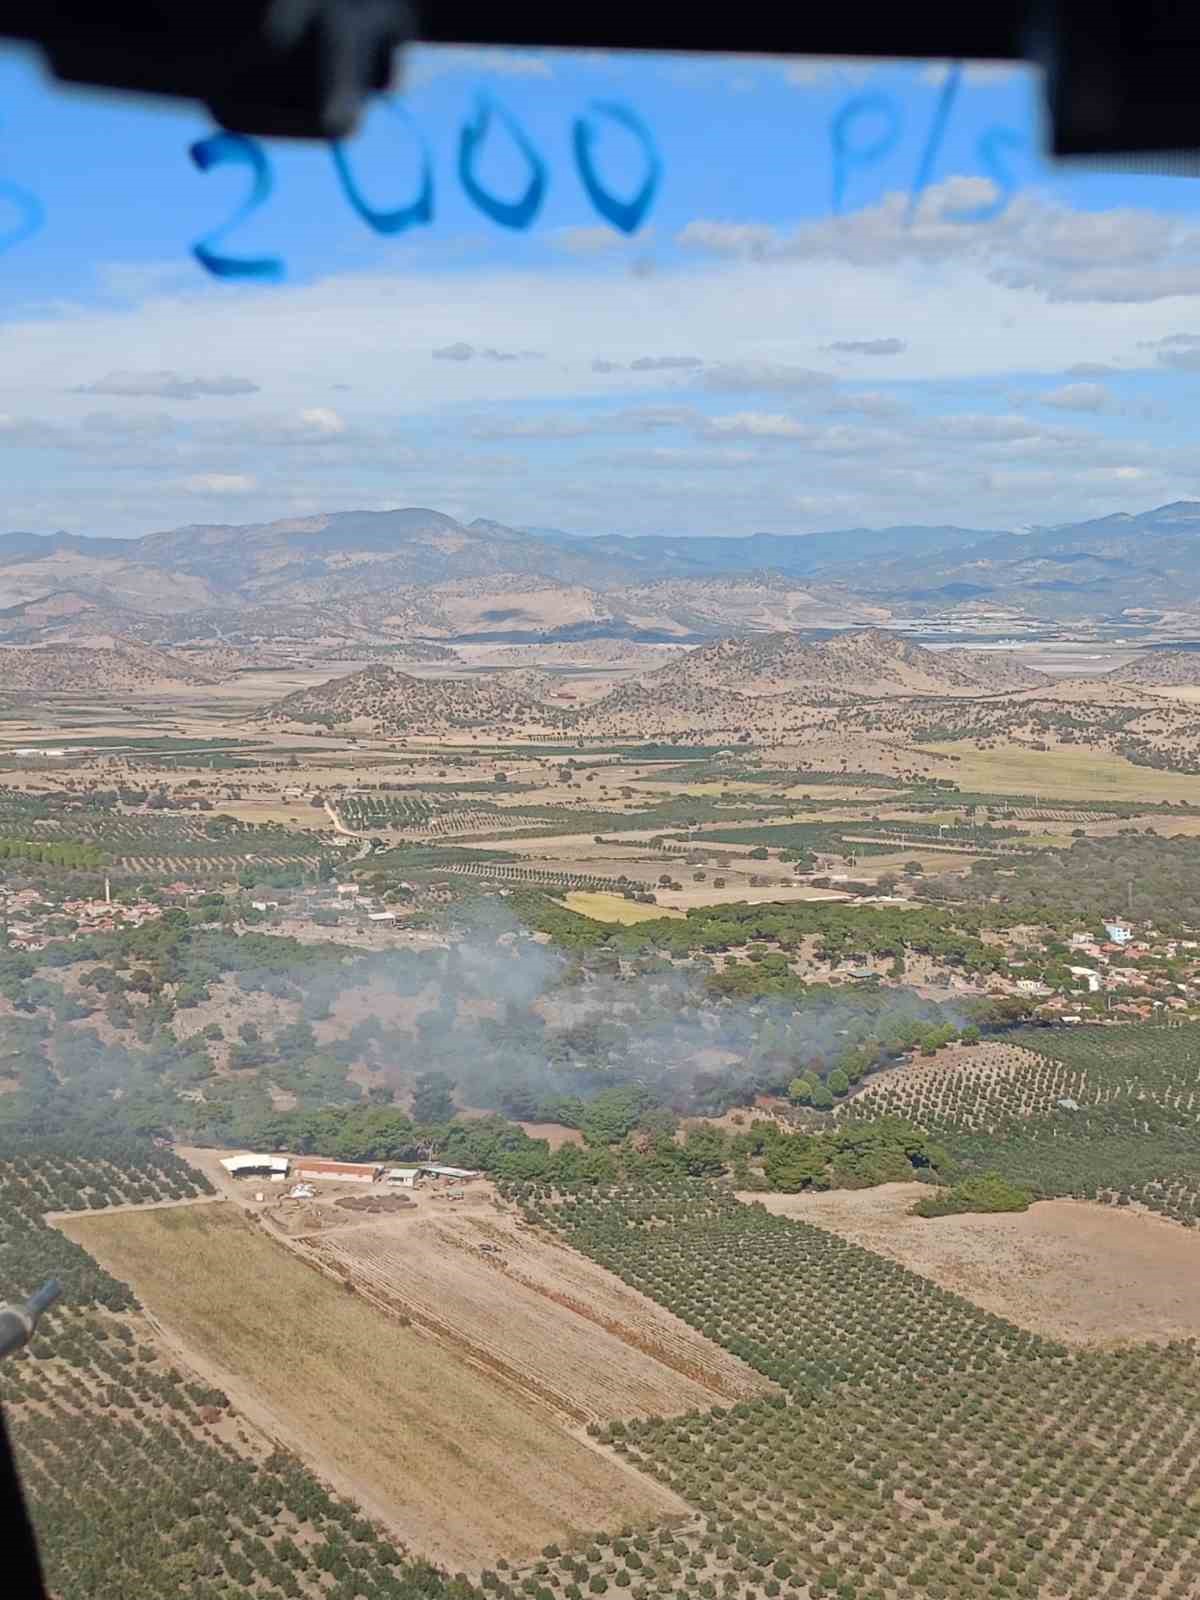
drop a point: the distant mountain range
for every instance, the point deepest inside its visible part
(357, 579)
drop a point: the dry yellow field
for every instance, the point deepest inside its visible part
(1188, 693)
(533, 1313)
(291, 813)
(603, 907)
(1068, 1269)
(1064, 775)
(460, 1466)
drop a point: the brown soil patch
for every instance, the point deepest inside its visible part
(460, 1466)
(376, 1205)
(1069, 1269)
(555, 1133)
(534, 1313)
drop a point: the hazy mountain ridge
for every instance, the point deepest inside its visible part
(415, 563)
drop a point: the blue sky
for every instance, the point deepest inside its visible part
(748, 360)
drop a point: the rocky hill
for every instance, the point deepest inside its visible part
(994, 671)
(1166, 669)
(863, 663)
(384, 700)
(114, 666)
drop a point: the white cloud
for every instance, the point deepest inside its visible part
(760, 425)
(1078, 397)
(219, 483)
(322, 420)
(1185, 341)
(665, 364)
(869, 347)
(989, 311)
(142, 426)
(808, 72)
(763, 376)
(752, 239)
(1181, 358)
(593, 240)
(426, 62)
(1121, 255)
(468, 352)
(976, 74)
(867, 403)
(166, 386)
(529, 428)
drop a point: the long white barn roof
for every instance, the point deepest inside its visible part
(247, 1163)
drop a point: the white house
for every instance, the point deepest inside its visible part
(406, 1177)
(1090, 977)
(1118, 933)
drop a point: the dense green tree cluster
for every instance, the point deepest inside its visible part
(857, 1156)
(988, 1192)
(1152, 878)
(68, 853)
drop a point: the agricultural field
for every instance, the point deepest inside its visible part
(797, 1303)
(1064, 774)
(1067, 1269)
(1062, 1477)
(457, 1464)
(979, 1087)
(1103, 1112)
(451, 814)
(1008, 1466)
(141, 846)
(607, 907)
(176, 1491)
(532, 1313)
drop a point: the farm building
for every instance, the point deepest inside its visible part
(407, 1176)
(460, 1173)
(247, 1166)
(337, 1171)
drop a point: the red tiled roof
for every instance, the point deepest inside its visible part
(320, 1164)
